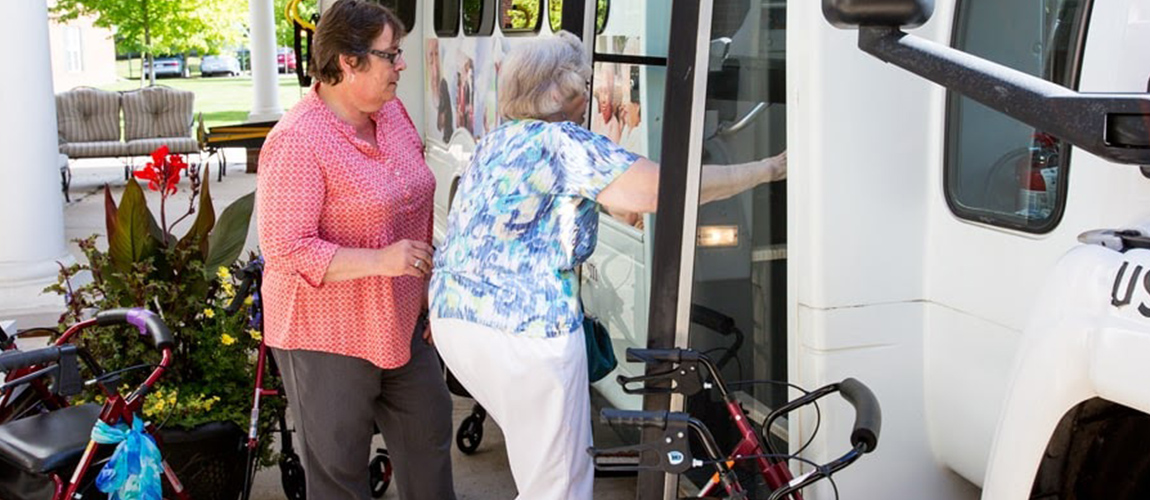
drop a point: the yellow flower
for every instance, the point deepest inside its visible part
(229, 290)
(255, 334)
(223, 274)
(226, 339)
(248, 300)
(209, 313)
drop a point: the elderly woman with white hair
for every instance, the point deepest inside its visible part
(504, 295)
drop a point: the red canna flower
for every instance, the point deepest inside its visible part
(160, 154)
(163, 172)
(148, 174)
(163, 175)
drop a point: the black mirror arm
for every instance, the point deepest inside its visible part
(1114, 126)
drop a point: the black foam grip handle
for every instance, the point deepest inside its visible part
(14, 360)
(144, 319)
(654, 355)
(241, 294)
(868, 414)
(613, 416)
(712, 319)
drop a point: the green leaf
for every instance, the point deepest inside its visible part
(134, 238)
(205, 220)
(227, 239)
(109, 213)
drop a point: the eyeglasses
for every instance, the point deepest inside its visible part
(390, 57)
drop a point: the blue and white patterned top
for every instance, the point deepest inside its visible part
(523, 218)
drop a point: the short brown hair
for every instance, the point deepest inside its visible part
(348, 28)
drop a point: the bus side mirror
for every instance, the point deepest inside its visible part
(893, 13)
(1114, 126)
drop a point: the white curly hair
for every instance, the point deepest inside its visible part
(538, 78)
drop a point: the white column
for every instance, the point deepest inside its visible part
(265, 80)
(31, 205)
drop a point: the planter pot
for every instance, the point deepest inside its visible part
(208, 459)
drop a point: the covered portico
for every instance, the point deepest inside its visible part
(31, 207)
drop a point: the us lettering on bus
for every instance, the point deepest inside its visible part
(1122, 293)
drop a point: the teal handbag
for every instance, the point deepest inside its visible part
(600, 356)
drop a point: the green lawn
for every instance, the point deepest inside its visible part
(222, 100)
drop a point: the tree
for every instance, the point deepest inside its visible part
(163, 26)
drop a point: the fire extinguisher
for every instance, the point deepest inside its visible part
(1038, 178)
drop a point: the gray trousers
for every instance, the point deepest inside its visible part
(335, 402)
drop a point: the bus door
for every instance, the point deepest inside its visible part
(729, 265)
(629, 57)
(738, 295)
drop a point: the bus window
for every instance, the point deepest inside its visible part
(520, 15)
(446, 17)
(738, 301)
(998, 170)
(629, 74)
(555, 15)
(405, 9)
(478, 17)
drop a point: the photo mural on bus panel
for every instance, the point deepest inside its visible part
(462, 81)
(440, 118)
(616, 102)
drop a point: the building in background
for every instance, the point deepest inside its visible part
(82, 54)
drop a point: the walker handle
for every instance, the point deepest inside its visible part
(15, 360)
(649, 356)
(612, 416)
(147, 321)
(868, 414)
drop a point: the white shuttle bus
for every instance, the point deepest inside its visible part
(963, 227)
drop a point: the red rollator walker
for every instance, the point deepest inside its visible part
(51, 454)
(267, 385)
(688, 372)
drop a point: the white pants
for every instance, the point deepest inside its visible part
(536, 390)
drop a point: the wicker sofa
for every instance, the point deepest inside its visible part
(88, 122)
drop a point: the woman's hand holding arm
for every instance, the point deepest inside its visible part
(403, 258)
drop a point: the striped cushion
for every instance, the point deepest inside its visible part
(94, 149)
(88, 115)
(182, 145)
(157, 112)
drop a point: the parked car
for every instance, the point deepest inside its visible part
(285, 60)
(220, 65)
(175, 66)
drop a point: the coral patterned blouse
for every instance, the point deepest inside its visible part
(320, 188)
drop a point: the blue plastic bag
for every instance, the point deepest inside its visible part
(134, 471)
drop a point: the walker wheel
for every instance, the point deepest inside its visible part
(380, 469)
(291, 477)
(470, 434)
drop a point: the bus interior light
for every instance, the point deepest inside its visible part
(718, 236)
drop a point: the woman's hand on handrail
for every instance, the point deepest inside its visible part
(636, 190)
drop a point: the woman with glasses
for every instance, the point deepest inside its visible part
(345, 218)
(504, 295)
